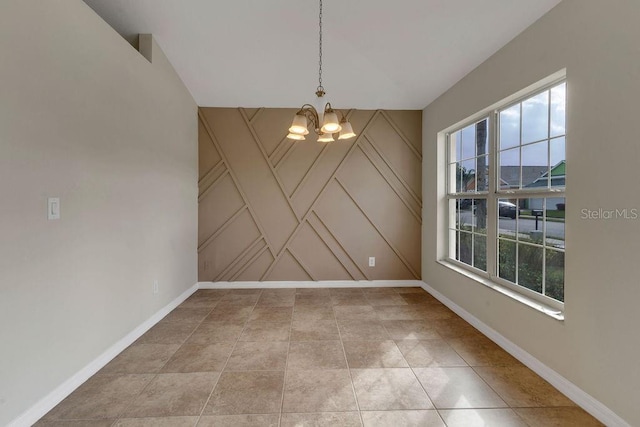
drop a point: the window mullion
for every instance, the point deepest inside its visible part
(492, 214)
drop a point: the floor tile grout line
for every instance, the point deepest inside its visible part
(187, 339)
(414, 373)
(504, 400)
(473, 368)
(468, 366)
(228, 357)
(156, 374)
(215, 304)
(346, 361)
(286, 364)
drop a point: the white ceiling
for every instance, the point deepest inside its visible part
(399, 54)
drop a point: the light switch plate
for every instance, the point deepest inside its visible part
(53, 208)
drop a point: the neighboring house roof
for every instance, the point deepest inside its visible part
(557, 177)
(559, 169)
(542, 182)
(532, 176)
(510, 175)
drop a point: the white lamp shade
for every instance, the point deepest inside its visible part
(330, 123)
(347, 131)
(325, 137)
(296, 136)
(299, 125)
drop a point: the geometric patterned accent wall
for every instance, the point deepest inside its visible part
(274, 209)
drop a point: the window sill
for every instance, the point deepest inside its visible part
(529, 302)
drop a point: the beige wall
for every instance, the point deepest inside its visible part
(274, 209)
(85, 117)
(597, 346)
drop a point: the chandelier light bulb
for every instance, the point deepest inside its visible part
(325, 137)
(330, 124)
(299, 125)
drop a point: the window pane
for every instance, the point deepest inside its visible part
(510, 169)
(468, 142)
(453, 213)
(482, 175)
(460, 177)
(506, 218)
(507, 260)
(465, 214)
(480, 252)
(554, 275)
(535, 165)
(558, 103)
(554, 222)
(510, 127)
(479, 210)
(466, 176)
(535, 118)
(558, 162)
(535, 154)
(466, 245)
(459, 222)
(530, 266)
(507, 209)
(531, 220)
(506, 228)
(482, 137)
(455, 147)
(558, 153)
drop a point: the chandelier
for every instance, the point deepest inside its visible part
(323, 118)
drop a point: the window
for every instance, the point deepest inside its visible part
(468, 184)
(505, 188)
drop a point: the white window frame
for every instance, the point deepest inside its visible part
(452, 197)
(490, 278)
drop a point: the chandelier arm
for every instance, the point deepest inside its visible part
(309, 111)
(304, 107)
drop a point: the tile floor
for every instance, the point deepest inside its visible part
(316, 357)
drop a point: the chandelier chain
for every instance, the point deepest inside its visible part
(320, 88)
(326, 121)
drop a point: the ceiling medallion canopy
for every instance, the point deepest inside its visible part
(321, 116)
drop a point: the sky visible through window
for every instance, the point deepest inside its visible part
(534, 123)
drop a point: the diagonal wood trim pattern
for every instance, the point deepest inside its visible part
(273, 209)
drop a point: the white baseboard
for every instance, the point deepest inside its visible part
(44, 405)
(37, 411)
(313, 284)
(583, 399)
(573, 392)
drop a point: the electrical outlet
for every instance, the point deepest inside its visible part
(53, 208)
(372, 261)
(156, 287)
